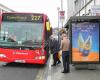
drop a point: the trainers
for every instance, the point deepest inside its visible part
(65, 72)
(53, 65)
(59, 62)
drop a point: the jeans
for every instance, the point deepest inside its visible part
(66, 62)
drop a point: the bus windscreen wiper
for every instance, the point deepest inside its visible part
(30, 42)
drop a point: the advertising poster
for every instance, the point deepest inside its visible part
(85, 42)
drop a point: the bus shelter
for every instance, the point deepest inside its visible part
(84, 35)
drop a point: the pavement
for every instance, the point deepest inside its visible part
(54, 73)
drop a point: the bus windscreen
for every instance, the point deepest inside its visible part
(25, 33)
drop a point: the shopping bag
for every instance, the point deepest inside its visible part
(59, 54)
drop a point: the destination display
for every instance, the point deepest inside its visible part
(19, 17)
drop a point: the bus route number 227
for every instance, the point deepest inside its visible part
(36, 18)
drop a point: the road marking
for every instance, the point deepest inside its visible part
(43, 73)
(39, 75)
(49, 70)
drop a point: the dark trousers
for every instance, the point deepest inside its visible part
(66, 62)
(55, 58)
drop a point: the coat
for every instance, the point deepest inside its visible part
(54, 46)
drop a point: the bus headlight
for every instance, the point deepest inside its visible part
(36, 58)
(43, 57)
(40, 57)
(2, 55)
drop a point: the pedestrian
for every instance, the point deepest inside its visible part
(55, 48)
(65, 46)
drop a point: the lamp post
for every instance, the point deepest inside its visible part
(58, 24)
(62, 10)
(58, 16)
(62, 5)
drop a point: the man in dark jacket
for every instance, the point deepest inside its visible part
(55, 48)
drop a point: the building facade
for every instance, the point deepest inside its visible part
(5, 9)
(83, 7)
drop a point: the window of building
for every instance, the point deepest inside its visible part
(78, 14)
(97, 2)
(88, 8)
(82, 3)
(82, 12)
(87, 1)
(77, 5)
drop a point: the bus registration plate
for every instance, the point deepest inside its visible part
(20, 61)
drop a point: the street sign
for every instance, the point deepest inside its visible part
(62, 15)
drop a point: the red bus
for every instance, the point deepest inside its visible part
(23, 38)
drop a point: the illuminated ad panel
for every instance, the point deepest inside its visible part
(85, 42)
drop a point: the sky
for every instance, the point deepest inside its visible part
(48, 7)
